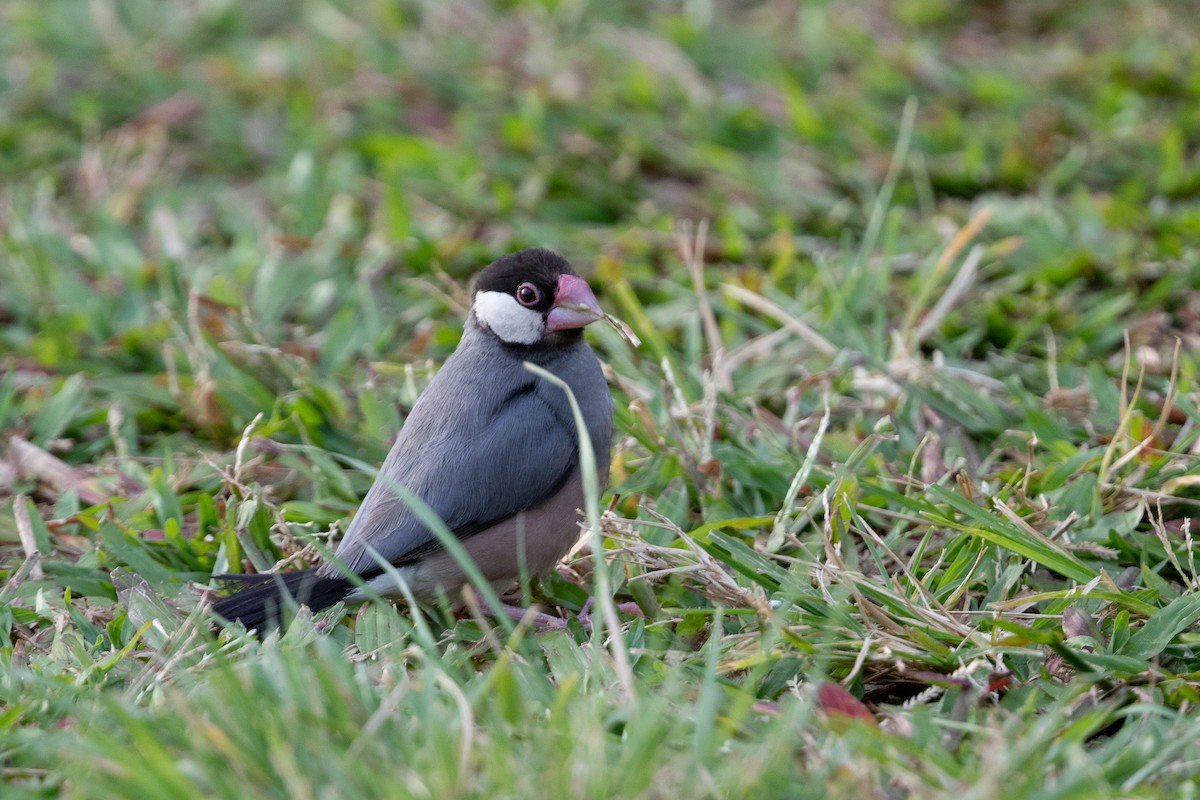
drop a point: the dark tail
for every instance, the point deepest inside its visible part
(261, 603)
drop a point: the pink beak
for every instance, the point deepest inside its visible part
(574, 305)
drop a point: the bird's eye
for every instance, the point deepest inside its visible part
(528, 294)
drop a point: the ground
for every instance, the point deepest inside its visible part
(906, 464)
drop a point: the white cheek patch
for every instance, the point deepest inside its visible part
(508, 319)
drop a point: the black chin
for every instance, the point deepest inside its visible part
(550, 341)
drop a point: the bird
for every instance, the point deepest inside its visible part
(489, 446)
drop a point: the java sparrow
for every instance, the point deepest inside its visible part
(489, 446)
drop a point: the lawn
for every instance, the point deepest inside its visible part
(906, 464)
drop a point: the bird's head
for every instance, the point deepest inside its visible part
(533, 296)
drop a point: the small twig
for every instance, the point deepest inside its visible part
(475, 609)
(690, 448)
(960, 240)
(691, 250)
(783, 518)
(240, 453)
(1051, 360)
(33, 556)
(776, 312)
(958, 285)
(387, 710)
(1124, 409)
(466, 720)
(765, 344)
(56, 474)
(1160, 425)
(1148, 494)
(1160, 530)
(861, 659)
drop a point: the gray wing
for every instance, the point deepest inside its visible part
(484, 442)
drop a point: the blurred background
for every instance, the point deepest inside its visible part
(307, 160)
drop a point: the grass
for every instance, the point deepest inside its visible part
(903, 494)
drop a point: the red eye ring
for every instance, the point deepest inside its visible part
(528, 295)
